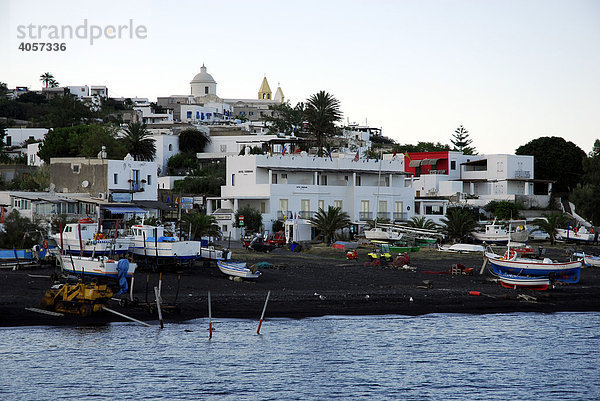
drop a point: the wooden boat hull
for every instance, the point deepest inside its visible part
(97, 266)
(531, 283)
(592, 261)
(237, 269)
(568, 272)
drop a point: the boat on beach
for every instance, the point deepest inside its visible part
(580, 234)
(531, 283)
(153, 242)
(383, 234)
(85, 238)
(497, 232)
(461, 248)
(96, 266)
(511, 263)
(237, 269)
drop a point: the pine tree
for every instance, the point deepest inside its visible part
(461, 141)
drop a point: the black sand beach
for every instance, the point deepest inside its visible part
(313, 283)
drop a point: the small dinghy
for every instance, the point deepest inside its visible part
(530, 283)
(237, 269)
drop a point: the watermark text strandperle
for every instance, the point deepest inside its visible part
(86, 31)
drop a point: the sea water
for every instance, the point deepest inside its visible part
(520, 356)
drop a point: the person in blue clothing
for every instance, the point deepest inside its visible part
(122, 269)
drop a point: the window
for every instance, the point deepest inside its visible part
(305, 205)
(75, 168)
(170, 147)
(358, 180)
(224, 228)
(321, 180)
(398, 206)
(434, 209)
(232, 180)
(263, 207)
(499, 167)
(274, 178)
(383, 206)
(338, 204)
(364, 206)
(189, 114)
(251, 113)
(223, 148)
(206, 90)
(8, 140)
(149, 179)
(283, 205)
(321, 204)
(453, 165)
(115, 178)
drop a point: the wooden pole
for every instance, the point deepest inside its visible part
(127, 317)
(160, 319)
(178, 285)
(210, 330)
(160, 284)
(131, 288)
(60, 227)
(263, 313)
(147, 280)
(485, 261)
(80, 240)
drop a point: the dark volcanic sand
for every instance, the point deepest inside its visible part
(346, 288)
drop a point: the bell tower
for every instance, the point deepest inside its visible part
(264, 93)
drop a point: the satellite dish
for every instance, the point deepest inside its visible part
(85, 184)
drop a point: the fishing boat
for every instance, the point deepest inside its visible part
(531, 283)
(153, 242)
(237, 269)
(96, 266)
(581, 234)
(461, 248)
(85, 238)
(499, 233)
(510, 262)
(383, 234)
(588, 260)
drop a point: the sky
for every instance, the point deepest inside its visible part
(509, 71)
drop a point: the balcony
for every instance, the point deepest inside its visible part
(363, 216)
(284, 214)
(383, 215)
(305, 214)
(400, 216)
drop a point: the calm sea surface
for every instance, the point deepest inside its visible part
(440, 357)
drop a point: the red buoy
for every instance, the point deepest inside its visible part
(475, 293)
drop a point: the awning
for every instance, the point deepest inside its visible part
(124, 209)
(423, 162)
(414, 163)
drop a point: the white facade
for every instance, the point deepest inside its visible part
(297, 186)
(167, 145)
(17, 136)
(168, 182)
(32, 155)
(128, 175)
(149, 117)
(203, 84)
(207, 113)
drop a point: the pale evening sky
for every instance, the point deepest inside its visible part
(509, 71)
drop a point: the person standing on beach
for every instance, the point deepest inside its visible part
(122, 269)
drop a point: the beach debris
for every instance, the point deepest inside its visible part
(460, 269)
(321, 297)
(401, 260)
(527, 298)
(375, 262)
(427, 284)
(411, 299)
(367, 296)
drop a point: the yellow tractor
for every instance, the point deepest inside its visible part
(77, 299)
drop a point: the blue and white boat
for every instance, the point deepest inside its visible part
(237, 269)
(85, 238)
(567, 272)
(508, 280)
(100, 266)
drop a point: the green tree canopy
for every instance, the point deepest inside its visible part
(459, 223)
(252, 218)
(550, 223)
(67, 111)
(138, 143)
(81, 141)
(19, 232)
(586, 196)
(286, 119)
(503, 209)
(192, 141)
(48, 79)
(321, 114)
(330, 221)
(555, 159)
(422, 222)
(421, 147)
(201, 224)
(461, 141)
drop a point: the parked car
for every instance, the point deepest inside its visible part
(277, 239)
(260, 245)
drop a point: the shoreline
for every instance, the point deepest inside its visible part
(318, 282)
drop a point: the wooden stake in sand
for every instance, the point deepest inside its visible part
(160, 319)
(209, 318)
(263, 313)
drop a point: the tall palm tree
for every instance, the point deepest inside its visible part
(322, 112)
(422, 222)
(138, 143)
(459, 223)
(201, 224)
(550, 223)
(47, 78)
(192, 141)
(331, 221)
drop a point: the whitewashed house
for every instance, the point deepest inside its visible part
(294, 187)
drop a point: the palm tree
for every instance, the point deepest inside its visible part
(422, 222)
(331, 221)
(322, 112)
(192, 141)
(138, 143)
(201, 224)
(47, 78)
(459, 223)
(550, 223)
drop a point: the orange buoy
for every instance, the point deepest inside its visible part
(475, 293)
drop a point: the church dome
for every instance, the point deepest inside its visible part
(203, 77)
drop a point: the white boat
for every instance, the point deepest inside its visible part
(237, 269)
(500, 233)
(531, 283)
(95, 266)
(152, 242)
(86, 238)
(383, 234)
(461, 248)
(575, 234)
(588, 260)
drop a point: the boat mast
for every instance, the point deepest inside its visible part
(378, 184)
